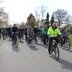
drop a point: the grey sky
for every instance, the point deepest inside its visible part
(20, 9)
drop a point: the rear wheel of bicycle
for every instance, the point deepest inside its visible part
(56, 53)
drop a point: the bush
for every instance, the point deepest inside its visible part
(70, 30)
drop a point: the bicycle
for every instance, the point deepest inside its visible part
(66, 44)
(14, 40)
(31, 41)
(54, 50)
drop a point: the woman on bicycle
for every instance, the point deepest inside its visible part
(30, 34)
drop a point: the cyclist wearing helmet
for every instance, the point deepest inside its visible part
(53, 33)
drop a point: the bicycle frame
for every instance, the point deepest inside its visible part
(55, 49)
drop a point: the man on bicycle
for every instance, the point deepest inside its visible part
(9, 32)
(64, 36)
(14, 32)
(20, 34)
(53, 33)
(44, 34)
(3, 31)
(36, 30)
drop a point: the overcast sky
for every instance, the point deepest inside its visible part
(19, 10)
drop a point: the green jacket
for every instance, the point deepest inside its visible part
(53, 33)
(44, 30)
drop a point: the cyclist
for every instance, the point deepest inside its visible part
(3, 31)
(64, 36)
(9, 32)
(14, 33)
(30, 33)
(53, 33)
(25, 32)
(20, 35)
(35, 32)
(45, 36)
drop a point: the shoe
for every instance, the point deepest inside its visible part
(49, 52)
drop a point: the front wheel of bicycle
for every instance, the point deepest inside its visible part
(33, 43)
(56, 52)
(13, 43)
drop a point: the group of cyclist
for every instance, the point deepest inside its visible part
(46, 33)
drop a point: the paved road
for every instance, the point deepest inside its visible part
(25, 59)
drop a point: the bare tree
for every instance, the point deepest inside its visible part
(3, 17)
(68, 21)
(40, 12)
(43, 10)
(60, 15)
(37, 13)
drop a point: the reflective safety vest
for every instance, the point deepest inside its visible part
(53, 33)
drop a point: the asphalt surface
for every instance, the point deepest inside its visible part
(26, 59)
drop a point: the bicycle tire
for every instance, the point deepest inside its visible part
(56, 52)
(33, 43)
(15, 43)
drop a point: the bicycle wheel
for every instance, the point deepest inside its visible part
(17, 43)
(56, 52)
(67, 44)
(13, 43)
(33, 43)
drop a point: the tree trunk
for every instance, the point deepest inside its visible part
(59, 23)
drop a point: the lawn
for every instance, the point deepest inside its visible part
(70, 37)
